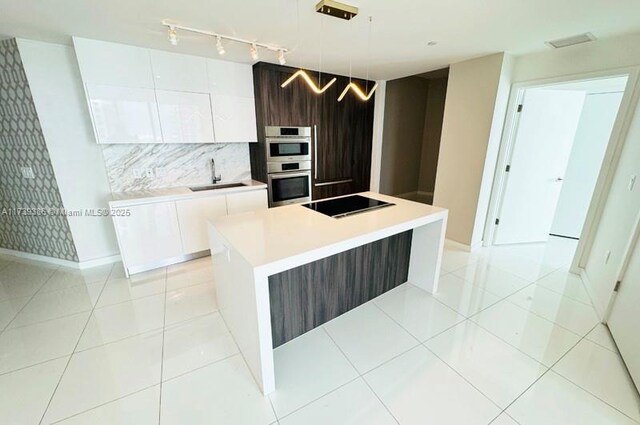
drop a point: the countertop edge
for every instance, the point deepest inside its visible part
(183, 193)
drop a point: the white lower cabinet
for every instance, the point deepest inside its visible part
(192, 217)
(161, 233)
(247, 201)
(149, 234)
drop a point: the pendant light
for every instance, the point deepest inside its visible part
(302, 73)
(352, 85)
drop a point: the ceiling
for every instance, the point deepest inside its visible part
(400, 30)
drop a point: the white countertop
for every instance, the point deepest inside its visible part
(122, 199)
(281, 238)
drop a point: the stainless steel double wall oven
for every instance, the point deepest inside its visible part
(288, 165)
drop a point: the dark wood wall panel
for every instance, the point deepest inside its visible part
(345, 129)
(308, 296)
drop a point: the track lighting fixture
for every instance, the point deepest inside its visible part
(219, 46)
(253, 51)
(172, 34)
(253, 45)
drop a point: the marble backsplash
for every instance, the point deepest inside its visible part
(173, 165)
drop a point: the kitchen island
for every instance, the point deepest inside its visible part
(283, 271)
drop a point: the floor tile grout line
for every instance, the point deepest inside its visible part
(64, 371)
(318, 398)
(594, 395)
(550, 369)
(182, 374)
(424, 345)
(105, 403)
(361, 375)
(164, 325)
(28, 301)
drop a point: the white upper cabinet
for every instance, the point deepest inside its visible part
(139, 95)
(234, 112)
(113, 64)
(185, 117)
(235, 119)
(173, 71)
(124, 114)
(230, 78)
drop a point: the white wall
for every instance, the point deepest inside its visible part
(589, 146)
(477, 96)
(54, 78)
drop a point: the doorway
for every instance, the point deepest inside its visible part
(413, 116)
(560, 138)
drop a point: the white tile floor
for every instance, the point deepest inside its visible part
(510, 338)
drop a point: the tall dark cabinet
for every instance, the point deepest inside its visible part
(344, 129)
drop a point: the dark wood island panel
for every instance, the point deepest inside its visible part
(309, 295)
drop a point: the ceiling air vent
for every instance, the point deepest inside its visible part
(570, 41)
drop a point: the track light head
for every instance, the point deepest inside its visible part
(172, 35)
(253, 51)
(219, 46)
(281, 58)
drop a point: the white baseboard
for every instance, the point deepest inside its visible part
(60, 262)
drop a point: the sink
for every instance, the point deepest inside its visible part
(216, 186)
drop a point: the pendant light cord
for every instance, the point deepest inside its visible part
(366, 82)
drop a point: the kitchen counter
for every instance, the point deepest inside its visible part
(122, 199)
(282, 238)
(282, 271)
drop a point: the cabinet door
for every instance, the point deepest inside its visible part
(113, 64)
(247, 201)
(173, 71)
(193, 215)
(344, 132)
(185, 117)
(229, 78)
(124, 115)
(235, 119)
(150, 234)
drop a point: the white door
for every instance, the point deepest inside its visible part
(592, 137)
(541, 149)
(623, 321)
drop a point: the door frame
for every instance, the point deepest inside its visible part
(609, 163)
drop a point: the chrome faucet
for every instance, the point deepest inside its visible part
(214, 178)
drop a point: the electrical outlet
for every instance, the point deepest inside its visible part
(27, 173)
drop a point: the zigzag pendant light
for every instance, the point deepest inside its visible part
(353, 86)
(357, 90)
(309, 81)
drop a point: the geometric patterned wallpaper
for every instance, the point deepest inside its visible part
(22, 144)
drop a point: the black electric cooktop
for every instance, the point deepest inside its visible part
(348, 205)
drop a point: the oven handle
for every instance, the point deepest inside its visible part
(285, 175)
(315, 151)
(333, 182)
